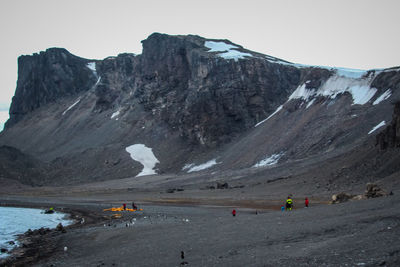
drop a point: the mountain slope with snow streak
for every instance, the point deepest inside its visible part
(190, 99)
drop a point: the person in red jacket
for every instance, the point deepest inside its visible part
(306, 202)
(234, 213)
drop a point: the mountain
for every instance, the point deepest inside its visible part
(192, 106)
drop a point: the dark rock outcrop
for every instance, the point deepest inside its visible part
(390, 136)
(47, 77)
(373, 191)
(206, 98)
(222, 185)
(209, 99)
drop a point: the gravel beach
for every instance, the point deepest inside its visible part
(355, 233)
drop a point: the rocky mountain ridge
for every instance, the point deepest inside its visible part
(193, 101)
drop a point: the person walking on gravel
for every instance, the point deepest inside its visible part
(306, 202)
(289, 203)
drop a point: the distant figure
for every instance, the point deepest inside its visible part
(183, 257)
(134, 206)
(283, 208)
(124, 206)
(289, 203)
(233, 212)
(49, 211)
(306, 202)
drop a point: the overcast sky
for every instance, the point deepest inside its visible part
(360, 34)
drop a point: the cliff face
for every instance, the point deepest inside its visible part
(207, 98)
(390, 136)
(47, 77)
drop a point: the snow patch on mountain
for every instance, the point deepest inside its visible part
(269, 160)
(381, 124)
(350, 73)
(276, 111)
(193, 168)
(115, 115)
(359, 88)
(228, 51)
(70, 107)
(309, 104)
(383, 97)
(92, 67)
(145, 156)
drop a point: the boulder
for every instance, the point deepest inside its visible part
(222, 185)
(373, 191)
(341, 197)
(61, 228)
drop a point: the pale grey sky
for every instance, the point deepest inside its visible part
(359, 34)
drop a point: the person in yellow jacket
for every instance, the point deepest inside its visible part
(289, 203)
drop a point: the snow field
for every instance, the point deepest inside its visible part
(360, 89)
(145, 156)
(226, 50)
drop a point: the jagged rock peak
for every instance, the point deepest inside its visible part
(45, 77)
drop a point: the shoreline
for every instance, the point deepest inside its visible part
(42, 246)
(41, 243)
(210, 236)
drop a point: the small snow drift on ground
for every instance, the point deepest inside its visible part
(70, 107)
(383, 97)
(382, 123)
(276, 111)
(228, 51)
(145, 156)
(271, 160)
(193, 168)
(115, 114)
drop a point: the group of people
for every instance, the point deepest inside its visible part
(289, 203)
(133, 206)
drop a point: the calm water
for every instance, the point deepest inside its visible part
(14, 221)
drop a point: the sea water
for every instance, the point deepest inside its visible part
(14, 221)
